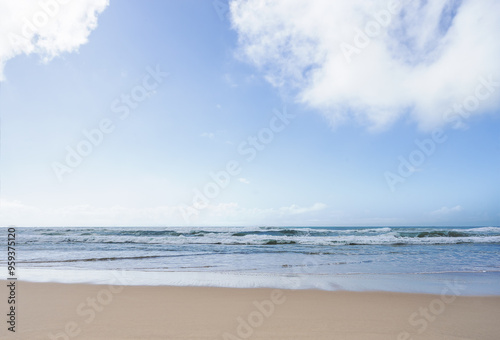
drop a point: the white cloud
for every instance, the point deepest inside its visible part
(244, 180)
(46, 27)
(295, 209)
(430, 55)
(447, 211)
(233, 214)
(209, 135)
(229, 80)
(14, 212)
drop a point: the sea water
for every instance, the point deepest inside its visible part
(402, 259)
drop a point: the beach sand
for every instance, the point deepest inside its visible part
(81, 311)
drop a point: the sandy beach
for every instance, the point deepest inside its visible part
(81, 311)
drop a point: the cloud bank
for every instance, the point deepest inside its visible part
(374, 62)
(446, 211)
(15, 212)
(45, 27)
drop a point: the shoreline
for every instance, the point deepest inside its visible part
(96, 311)
(469, 284)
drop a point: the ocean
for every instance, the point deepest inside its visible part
(401, 259)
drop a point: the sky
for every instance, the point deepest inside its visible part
(249, 113)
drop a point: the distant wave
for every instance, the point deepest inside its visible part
(267, 236)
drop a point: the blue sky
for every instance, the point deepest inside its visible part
(353, 120)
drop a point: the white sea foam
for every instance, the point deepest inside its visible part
(256, 239)
(482, 230)
(411, 283)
